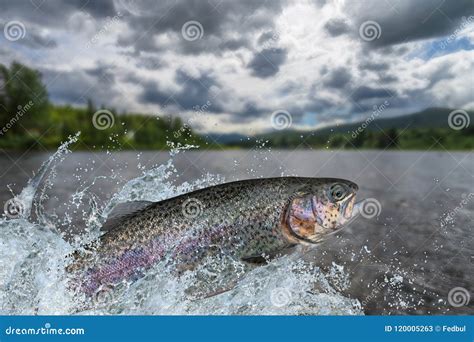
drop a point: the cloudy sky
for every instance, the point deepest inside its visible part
(228, 65)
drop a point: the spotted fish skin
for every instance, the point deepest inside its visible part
(242, 219)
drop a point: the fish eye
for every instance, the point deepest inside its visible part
(338, 192)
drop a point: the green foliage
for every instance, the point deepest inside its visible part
(129, 131)
(28, 120)
(23, 97)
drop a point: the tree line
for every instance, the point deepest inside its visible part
(391, 138)
(29, 120)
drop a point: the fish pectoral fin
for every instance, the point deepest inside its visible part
(263, 259)
(255, 260)
(121, 211)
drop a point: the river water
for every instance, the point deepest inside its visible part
(417, 247)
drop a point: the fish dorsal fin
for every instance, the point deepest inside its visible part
(122, 211)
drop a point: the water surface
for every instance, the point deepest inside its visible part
(403, 261)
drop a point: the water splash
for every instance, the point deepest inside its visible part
(33, 279)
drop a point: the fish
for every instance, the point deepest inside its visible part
(251, 221)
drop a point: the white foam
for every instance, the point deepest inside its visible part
(32, 261)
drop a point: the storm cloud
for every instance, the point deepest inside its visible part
(243, 60)
(267, 62)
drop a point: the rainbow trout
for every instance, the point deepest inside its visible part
(247, 220)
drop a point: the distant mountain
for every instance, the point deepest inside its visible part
(428, 118)
(225, 138)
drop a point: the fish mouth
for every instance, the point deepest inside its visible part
(356, 211)
(358, 208)
(348, 206)
(350, 211)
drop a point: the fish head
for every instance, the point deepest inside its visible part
(318, 210)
